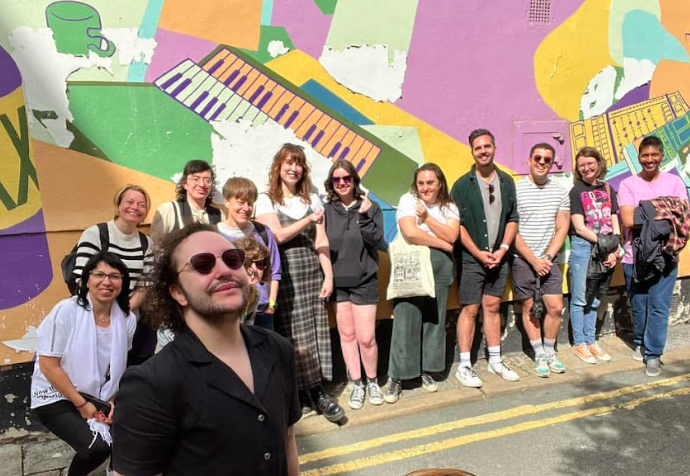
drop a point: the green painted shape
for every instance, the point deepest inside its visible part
(327, 7)
(367, 22)
(77, 28)
(82, 144)
(268, 34)
(137, 126)
(403, 138)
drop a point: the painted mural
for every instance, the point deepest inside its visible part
(99, 93)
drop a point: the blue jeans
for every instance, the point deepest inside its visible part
(261, 319)
(583, 315)
(650, 302)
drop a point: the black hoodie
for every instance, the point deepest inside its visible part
(353, 238)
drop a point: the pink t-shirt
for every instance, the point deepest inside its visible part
(635, 189)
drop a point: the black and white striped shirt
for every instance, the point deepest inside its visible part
(538, 206)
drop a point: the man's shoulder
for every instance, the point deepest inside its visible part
(459, 184)
(268, 338)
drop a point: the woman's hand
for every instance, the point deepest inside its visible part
(326, 288)
(88, 411)
(109, 418)
(317, 216)
(366, 205)
(611, 260)
(421, 211)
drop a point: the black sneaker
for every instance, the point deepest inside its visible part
(393, 391)
(327, 407)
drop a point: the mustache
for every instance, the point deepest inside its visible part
(222, 281)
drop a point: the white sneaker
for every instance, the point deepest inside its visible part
(503, 371)
(468, 377)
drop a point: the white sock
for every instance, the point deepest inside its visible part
(549, 346)
(465, 359)
(494, 354)
(538, 347)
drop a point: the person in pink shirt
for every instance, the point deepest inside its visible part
(650, 300)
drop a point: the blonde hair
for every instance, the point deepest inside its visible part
(118, 198)
(240, 187)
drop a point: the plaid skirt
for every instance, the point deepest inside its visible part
(301, 315)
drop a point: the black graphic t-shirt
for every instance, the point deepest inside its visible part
(594, 204)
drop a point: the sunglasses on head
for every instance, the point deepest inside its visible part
(205, 263)
(346, 179)
(539, 158)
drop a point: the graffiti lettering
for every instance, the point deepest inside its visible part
(40, 115)
(26, 168)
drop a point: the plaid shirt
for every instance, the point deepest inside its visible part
(676, 211)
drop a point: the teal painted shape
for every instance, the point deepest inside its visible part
(390, 224)
(318, 91)
(147, 29)
(644, 37)
(137, 126)
(266, 12)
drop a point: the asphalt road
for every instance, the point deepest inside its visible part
(620, 424)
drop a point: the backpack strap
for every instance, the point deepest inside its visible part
(261, 229)
(104, 235)
(214, 215)
(144, 240)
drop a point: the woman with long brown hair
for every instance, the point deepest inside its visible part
(295, 216)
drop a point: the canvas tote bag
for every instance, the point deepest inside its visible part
(411, 271)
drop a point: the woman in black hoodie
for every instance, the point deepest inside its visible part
(354, 226)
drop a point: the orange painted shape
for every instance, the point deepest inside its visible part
(284, 99)
(277, 91)
(337, 136)
(313, 118)
(251, 79)
(225, 74)
(671, 76)
(260, 81)
(328, 132)
(221, 55)
(240, 23)
(244, 71)
(347, 140)
(368, 160)
(304, 113)
(675, 17)
(354, 148)
(294, 105)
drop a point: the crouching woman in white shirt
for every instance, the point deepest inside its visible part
(82, 349)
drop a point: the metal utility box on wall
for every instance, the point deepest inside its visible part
(528, 133)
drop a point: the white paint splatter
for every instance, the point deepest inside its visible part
(243, 150)
(10, 397)
(129, 46)
(367, 70)
(598, 96)
(27, 343)
(44, 73)
(277, 48)
(635, 74)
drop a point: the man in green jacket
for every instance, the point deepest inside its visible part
(488, 224)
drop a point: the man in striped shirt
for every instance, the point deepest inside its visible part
(544, 209)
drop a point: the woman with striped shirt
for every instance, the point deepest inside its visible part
(131, 204)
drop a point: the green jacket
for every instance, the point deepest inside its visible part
(468, 197)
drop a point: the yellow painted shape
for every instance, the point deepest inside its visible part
(452, 156)
(517, 412)
(10, 165)
(69, 180)
(426, 449)
(571, 55)
(675, 17)
(231, 22)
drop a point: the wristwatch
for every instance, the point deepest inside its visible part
(548, 256)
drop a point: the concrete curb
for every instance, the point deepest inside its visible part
(451, 392)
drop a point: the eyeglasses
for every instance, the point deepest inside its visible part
(197, 180)
(100, 276)
(545, 160)
(260, 265)
(492, 197)
(205, 263)
(346, 179)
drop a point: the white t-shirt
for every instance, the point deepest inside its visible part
(538, 206)
(233, 233)
(294, 207)
(104, 337)
(407, 208)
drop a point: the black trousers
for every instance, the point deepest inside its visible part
(65, 422)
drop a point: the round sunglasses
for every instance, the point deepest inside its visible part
(205, 263)
(260, 264)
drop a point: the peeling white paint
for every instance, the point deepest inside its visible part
(277, 48)
(45, 80)
(27, 343)
(129, 46)
(598, 96)
(367, 70)
(10, 397)
(635, 74)
(243, 150)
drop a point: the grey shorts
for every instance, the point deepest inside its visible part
(366, 293)
(476, 280)
(525, 279)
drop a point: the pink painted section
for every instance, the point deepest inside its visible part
(172, 49)
(471, 67)
(304, 22)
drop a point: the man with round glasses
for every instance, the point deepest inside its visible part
(222, 397)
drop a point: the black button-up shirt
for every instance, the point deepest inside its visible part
(185, 412)
(468, 197)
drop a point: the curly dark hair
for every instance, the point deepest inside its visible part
(160, 308)
(356, 180)
(194, 167)
(113, 261)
